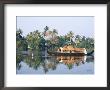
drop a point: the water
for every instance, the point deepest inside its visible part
(36, 64)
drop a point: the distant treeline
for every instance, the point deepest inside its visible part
(37, 40)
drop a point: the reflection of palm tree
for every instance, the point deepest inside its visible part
(49, 63)
(35, 67)
(77, 63)
(44, 67)
(83, 62)
(18, 66)
(19, 58)
(70, 66)
(54, 67)
(45, 70)
(34, 63)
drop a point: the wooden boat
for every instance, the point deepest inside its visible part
(68, 54)
(65, 54)
(70, 51)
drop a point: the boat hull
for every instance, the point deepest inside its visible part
(65, 54)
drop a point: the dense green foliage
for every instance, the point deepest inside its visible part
(21, 42)
(49, 38)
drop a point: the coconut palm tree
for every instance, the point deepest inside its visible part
(55, 31)
(83, 38)
(78, 39)
(45, 30)
(70, 35)
(19, 31)
(54, 37)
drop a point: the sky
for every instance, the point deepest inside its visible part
(83, 26)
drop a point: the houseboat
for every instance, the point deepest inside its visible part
(70, 50)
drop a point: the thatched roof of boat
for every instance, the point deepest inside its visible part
(68, 48)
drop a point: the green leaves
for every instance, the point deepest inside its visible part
(21, 43)
(37, 40)
(33, 39)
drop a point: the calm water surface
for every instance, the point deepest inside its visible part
(35, 64)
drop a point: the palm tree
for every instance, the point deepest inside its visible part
(19, 31)
(70, 66)
(19, 34)
(54, 37)
(70, 35)
(83, 38)
(45, 30)
(45, 35)
(78, 39)
(54, 33)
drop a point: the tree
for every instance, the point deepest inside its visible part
(78, 39)
(54, 35)
(21, 43)
(45, 30)
(50, 36)
(83, 38)
(33, 39)
(19, 32)
(70, 35)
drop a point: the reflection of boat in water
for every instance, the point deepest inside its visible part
(71, 59)
(68, 50)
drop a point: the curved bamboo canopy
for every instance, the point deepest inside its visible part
(71, 48)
